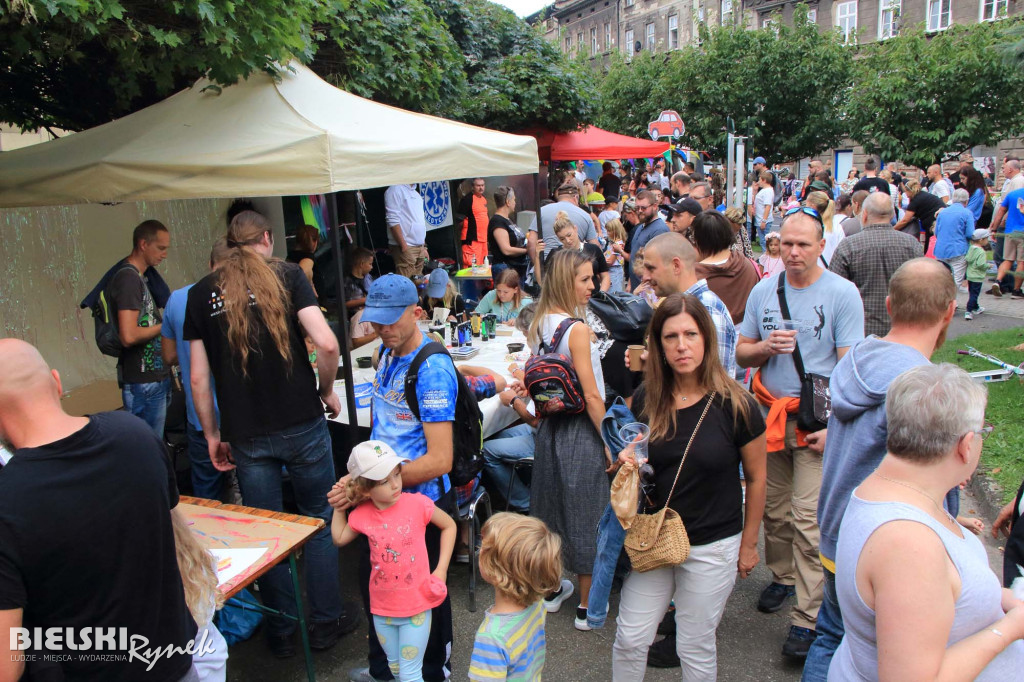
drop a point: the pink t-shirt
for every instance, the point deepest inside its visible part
(401, 584)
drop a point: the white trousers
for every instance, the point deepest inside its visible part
(958, 264)
(700, 587)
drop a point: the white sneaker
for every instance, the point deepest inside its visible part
(979, 310)
(581, 619)
(554, 602)
(968, 316)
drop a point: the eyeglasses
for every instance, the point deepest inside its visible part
(806, 210)
(985, 431)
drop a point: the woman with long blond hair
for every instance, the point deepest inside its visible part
(570, 485)
(615, 254)
(826, 208)
(687, 394)
(246, 322)
(199, 578)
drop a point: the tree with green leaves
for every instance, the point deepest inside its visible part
(783, 86)
(922, 98)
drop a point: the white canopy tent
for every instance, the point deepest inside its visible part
(260, 137)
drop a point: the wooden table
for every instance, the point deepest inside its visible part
(231, 526)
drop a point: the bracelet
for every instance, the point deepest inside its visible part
(512, 404)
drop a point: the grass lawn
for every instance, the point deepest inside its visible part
(1003, 455)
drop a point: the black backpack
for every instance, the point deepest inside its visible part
(467, 431)
(104, 317)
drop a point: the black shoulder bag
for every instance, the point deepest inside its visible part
(815, 398)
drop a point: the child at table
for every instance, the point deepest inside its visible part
(521, 558)
(402, 588)
(199, 578)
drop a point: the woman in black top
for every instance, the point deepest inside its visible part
(681, 376)
(505, 241)
(307, 240)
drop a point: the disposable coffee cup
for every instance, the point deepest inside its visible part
(629, 433)
(636, 362)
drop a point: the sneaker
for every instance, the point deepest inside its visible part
(773, 596)
(968, 316)
(995, 291)
(325, 635)
(979, 310)
(361, 675)
(281, 646)
(554, 602)
(1017, 293)
(581, 619)
(662, 654)
(667, 626)
(799, 642)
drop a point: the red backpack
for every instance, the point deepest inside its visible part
(551, 378)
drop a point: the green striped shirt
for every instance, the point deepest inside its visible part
(509, 646)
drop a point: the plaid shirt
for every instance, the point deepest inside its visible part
(724, 328)
(482, 386)
(869, 259)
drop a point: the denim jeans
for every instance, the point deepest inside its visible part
(762, 230)
(507, 446)
(305, 451)
(149, 402)
(618, 283)
(207, 482)
(496, 270)
(610, 536)
(830, 632)
(973, 289)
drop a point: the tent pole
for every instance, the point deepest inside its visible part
(346, 358)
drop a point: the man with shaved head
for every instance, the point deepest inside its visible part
(85, 535)
(870, 257)
(921, 302)
(938, 185)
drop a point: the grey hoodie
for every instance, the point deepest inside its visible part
(857, 428)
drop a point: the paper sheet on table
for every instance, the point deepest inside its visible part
(232, 562)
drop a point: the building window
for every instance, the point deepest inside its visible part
(938, 14)
(846, 20)
(994, 9)
(607, 37)
(726, 13)
(627, 44)
(628, 3)
(768, 21)
(568, 45)
(812, 16)
(593, 42)
(698, 19)
(888, 18)
(673, 32)
(579, 43)
(650, 37)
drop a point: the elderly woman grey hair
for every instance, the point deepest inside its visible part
(918, 598)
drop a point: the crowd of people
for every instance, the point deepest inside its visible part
(763, 385)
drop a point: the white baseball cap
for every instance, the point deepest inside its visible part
(374, 460)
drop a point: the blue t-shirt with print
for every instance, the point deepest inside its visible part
(1013, 202)
(393, 422)
(173, 328)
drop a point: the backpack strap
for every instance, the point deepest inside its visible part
(412, 376)
(560, 331)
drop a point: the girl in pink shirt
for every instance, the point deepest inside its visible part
(403, 590)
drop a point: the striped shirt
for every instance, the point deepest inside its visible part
(509, 646)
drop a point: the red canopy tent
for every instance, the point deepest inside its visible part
(592, 143)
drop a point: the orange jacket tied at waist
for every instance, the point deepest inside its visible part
(775, 422)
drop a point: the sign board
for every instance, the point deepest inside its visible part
(437, 204)
(668, 124)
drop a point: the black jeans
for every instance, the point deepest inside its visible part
(436, 658)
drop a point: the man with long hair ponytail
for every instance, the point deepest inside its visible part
(246, 323)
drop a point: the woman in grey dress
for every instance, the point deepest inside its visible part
(570, 485)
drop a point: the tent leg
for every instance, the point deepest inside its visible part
(334, 235)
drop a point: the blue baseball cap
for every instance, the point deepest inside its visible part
(437, 283)
(759, 160)
(388, 298)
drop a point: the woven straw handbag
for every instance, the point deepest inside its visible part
(660, 539)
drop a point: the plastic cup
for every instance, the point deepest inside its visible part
(629, 433)
(790, 325)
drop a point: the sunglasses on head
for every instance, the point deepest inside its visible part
(806, 210)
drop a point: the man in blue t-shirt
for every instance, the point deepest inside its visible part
(392, 307)
(207, 482)
(1012, 209)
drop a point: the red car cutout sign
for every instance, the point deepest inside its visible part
(668, 124)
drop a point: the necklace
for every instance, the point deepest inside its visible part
(919, 491)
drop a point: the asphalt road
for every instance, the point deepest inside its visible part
(749, 642)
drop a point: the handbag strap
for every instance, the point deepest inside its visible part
(693, 435)
(798, 360)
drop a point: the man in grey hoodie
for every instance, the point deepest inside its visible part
(921, 303)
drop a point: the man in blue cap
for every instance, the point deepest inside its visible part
(392, 307)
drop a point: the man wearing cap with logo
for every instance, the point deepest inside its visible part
(681, 215)
(392, 307)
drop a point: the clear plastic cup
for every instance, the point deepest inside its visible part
(790, 325)
(629, 433)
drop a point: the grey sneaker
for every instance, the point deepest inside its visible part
(361, 675)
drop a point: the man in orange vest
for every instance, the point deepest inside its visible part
(473, 208)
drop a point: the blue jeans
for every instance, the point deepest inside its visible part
(206, 480)
(973, 289)
(404, 641)
(305, 451)
(762, 230)
(149, 402)
(510, 445)
(497, 269)
(610, 536)
(617, 281)
(830, 632)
